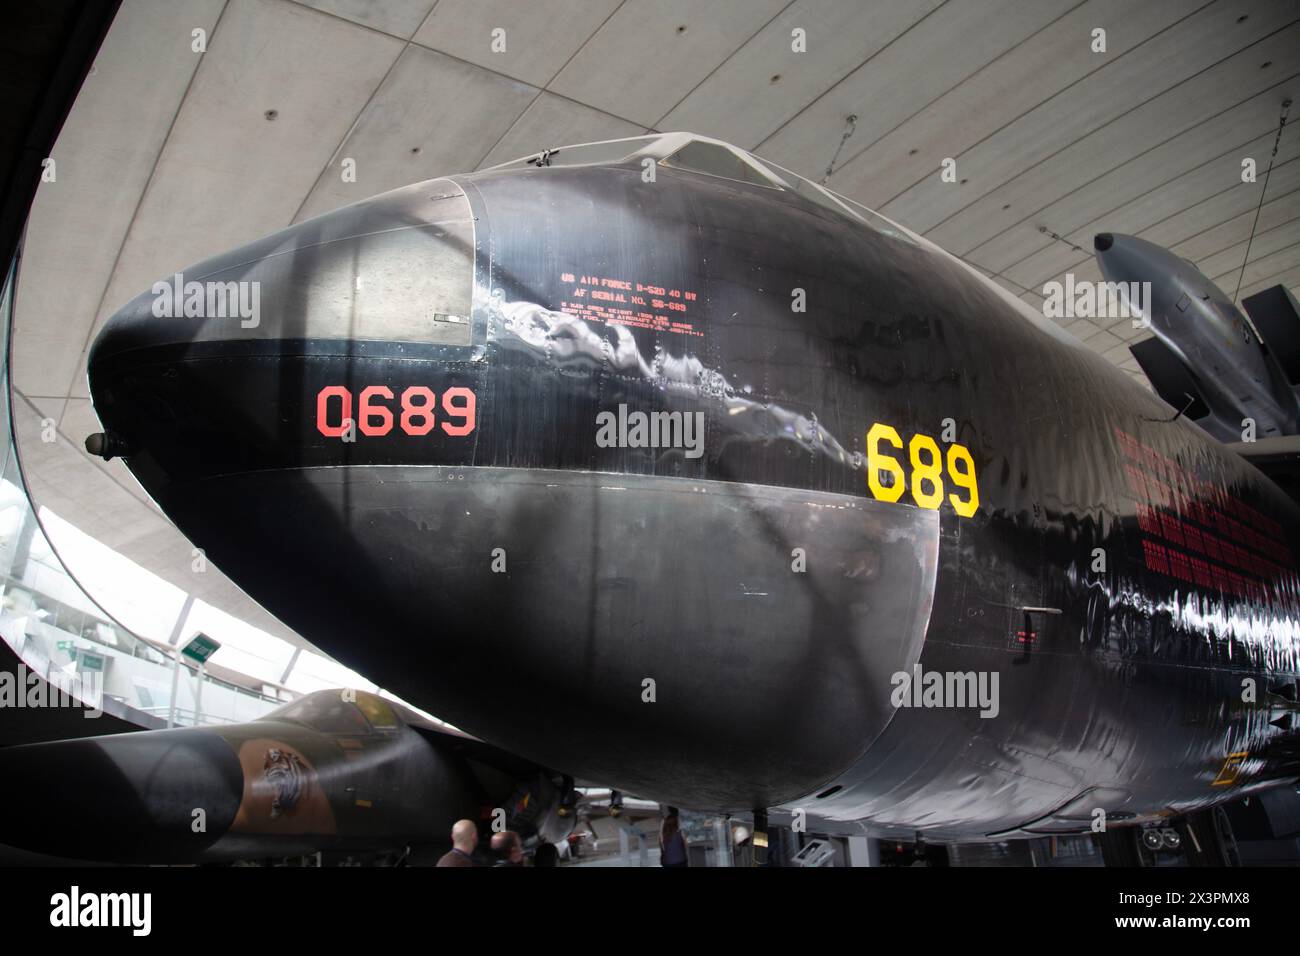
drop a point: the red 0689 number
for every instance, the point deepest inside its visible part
(375, 418)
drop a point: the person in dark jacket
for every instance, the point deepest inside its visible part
(507, 849)
(464, 838)
(672, 841)
(546, 855)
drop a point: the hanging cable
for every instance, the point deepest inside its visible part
(1286, 108)
(852, 126)
(1059, 238)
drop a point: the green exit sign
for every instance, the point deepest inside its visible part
(200, 648)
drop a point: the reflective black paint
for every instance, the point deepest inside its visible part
(625, 564)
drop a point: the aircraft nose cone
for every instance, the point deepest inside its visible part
(398, 266)
(220, 365)
(1103, 241)
(124, 798)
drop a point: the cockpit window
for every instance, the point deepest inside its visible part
(875, 220)
(841, 204)
(713, 159)
(326, 712)
(378, 711)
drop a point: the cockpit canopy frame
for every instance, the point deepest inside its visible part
(708, 157)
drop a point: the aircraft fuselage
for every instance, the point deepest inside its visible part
(899, 468)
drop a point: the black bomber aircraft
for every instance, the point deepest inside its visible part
(657, 464)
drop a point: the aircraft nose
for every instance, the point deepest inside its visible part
(399, 266)
(1127, 258)
(120, 798)
(228, 357)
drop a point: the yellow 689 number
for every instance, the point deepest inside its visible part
(927, 462)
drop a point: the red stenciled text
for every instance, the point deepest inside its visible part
(416, 412)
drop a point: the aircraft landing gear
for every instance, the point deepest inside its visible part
(1203, 838)
(1155, 839)
(1208, 839)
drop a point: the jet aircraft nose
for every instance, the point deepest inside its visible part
(147, 789)
(1123, 258)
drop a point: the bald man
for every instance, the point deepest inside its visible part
(464, 837)
(507, 849)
